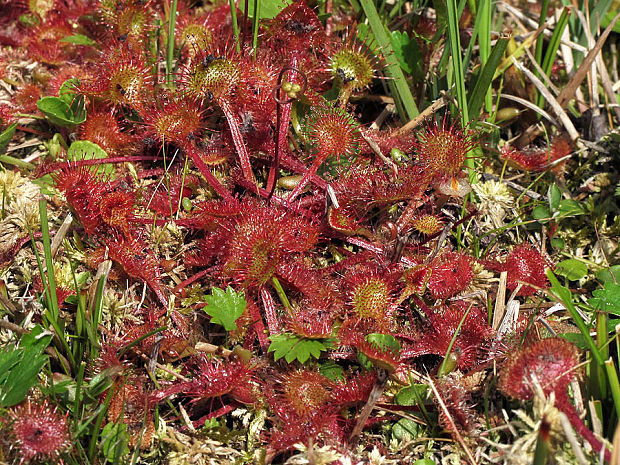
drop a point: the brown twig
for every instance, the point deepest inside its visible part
(373, 397)
(569, 89)
(418, 120)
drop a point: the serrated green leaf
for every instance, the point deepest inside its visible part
(607, 299)
(6, 136)
(292, 347)
(385, 342)
(332, 370)
(20, 367)
(79, 39)
(114, 439)
(571, 269)
(225, 308)
(407, 52)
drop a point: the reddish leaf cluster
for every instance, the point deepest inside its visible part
(345, 250)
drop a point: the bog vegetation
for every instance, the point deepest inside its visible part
(308, 232)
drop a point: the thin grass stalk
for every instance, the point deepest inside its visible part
(614, 384)
(255, 24)
(481, 92)
(458, 77)
(282, 295)
(96, 316)
(78, 392)
(484, 40)
(48, 316)
(170, 48)
(541, 452)
(552, 49)
(47, 251)
(97, 426)
(9, 160)
(398, 85)
(562, 294)
(235, 25)
(602, 338)
(442, 367)
(540, 42)
(183, 178)
(80, 319)
(140, 339)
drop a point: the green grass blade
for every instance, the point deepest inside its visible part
(170, 50)
(484, 40)
(255, 24)
(614, 385)
(442, 367)
(552, 49)
(478, 95)
(9, 160)
(540, 42)
(97, 426)
(554, 43)
(398, 86)
(96, 317)
(563, 294)
(458, 76)
(47, 250)
(235, 25)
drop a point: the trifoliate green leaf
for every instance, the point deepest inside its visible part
(225, 308)
(20, 367)
(607, 299)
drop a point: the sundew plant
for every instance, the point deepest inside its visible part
(320, 232)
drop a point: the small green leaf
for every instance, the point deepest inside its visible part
(225, 308)
(292, 347)
(407, 52)
(87, 150)
(571, 269)
(609, 275)
(541, 214)
(68, 90)
(267, 10)
(406, 429)
(384, 342)
(607, 299)
(114, 439)
(332, 370)
(558, 243)
(67, 109)
(555, 196)
(6, 136)
(58, 112)
(411, 395)
(20, 367)
(570, 207)
(79, 39)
